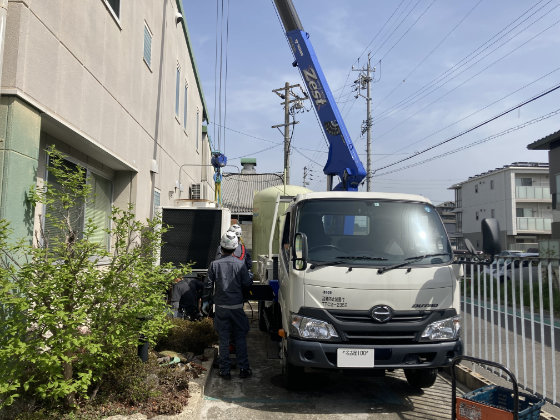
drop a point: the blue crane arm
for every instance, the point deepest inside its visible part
(343, 160)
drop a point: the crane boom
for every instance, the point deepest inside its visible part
(343, 160)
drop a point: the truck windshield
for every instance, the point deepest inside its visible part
(373, 232)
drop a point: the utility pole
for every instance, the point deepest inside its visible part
(286, 93)
(364, 82)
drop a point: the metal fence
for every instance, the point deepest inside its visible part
(510, 310)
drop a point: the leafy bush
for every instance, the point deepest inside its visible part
(185, 336)
(64, 321)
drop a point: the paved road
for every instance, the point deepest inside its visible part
(325, 396)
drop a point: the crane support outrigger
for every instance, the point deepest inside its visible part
(343, 160)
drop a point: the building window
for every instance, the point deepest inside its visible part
(524, 182)
(185, 107)
(476, 215)
(177, 90)
(147, 45)
(523, 212)
(492, 213)
(198, 128)
(476, 189)
(96, 209)
(115, 6)
(492, 186)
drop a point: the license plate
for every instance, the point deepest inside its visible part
(359, 358)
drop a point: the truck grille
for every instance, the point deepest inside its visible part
(365, 317)
(358, 327)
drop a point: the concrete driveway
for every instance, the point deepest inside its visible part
(324, 395)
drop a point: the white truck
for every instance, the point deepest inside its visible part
(365, 280)
(362, 280)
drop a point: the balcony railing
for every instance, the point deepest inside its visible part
(534, 224)
(533, 193)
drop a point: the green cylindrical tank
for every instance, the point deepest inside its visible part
(263, 212)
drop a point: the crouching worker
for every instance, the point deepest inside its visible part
(227, 277)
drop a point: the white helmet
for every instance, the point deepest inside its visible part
(237, 229)
(229, 241)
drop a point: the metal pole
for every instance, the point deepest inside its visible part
(366, 80)
(368, 126)
(287, 131)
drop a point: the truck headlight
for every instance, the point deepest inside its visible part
(446, 329)
(310, 328)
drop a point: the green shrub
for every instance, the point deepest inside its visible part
(189, 336)
(65, 322)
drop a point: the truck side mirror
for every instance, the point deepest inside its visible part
(299, 252)
(490, 236)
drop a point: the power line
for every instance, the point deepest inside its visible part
(451, 73)
(475, 143)
(476, 112)
(501, 114)
(367, 46)
(467, 80)
(432, 51)
(408, 30)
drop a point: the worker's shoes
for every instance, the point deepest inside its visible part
(245, 373)
(224, 374)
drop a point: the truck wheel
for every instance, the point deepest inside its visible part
(262, 321)
(421, 378)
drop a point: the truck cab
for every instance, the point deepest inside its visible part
(366, 280)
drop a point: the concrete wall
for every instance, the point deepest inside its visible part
(76, 73)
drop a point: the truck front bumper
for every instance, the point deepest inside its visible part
(323, 355)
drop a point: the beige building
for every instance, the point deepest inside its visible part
(113, 85)
(517, 195)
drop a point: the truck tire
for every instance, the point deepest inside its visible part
(262, 321)
(421, 377)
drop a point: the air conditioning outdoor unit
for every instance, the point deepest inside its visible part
(197, 191)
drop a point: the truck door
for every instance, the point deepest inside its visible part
(291, 292)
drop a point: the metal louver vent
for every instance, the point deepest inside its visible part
(196, 191)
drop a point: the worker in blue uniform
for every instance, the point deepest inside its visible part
(227, 278)
(241, 252)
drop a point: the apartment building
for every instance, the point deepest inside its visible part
(114, 86)
(552, 144)
(446, 211)
(517, 195)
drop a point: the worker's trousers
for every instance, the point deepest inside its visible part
(232, 322)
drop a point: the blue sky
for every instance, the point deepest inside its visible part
(441, 68)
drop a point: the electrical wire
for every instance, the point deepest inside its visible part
(368, 45)
(475, 143)
(226, 74)
(477, 111)
(408, 30)
(380, 136)
(433, 84)
(432, 50)
(260, 151)
(495, 117)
